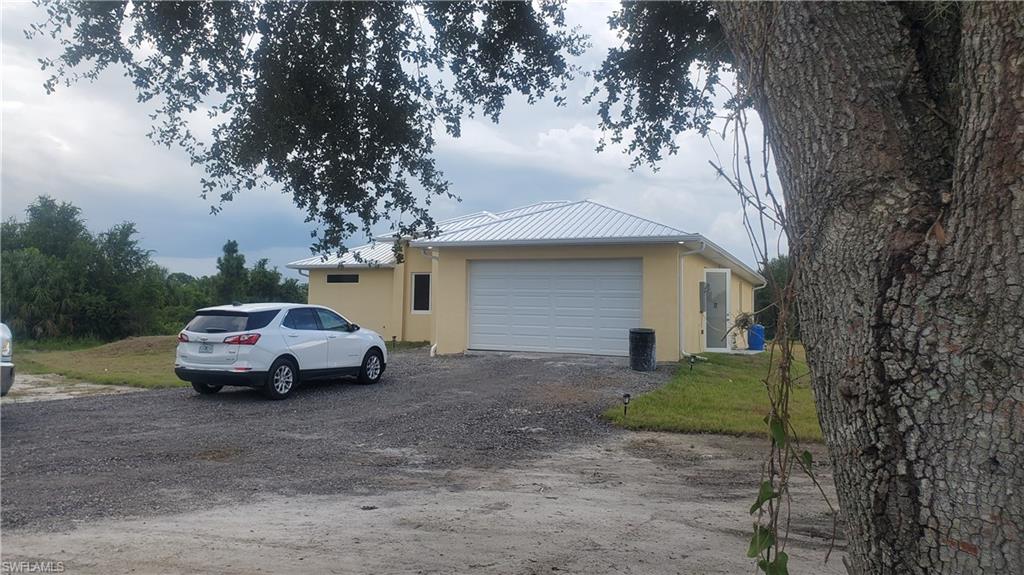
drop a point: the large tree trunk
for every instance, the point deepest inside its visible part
(899, 138)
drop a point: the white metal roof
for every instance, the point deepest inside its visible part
(543, 223)
(484, 217)
(560, 222)
(373, 254)
(531, 208)
(379, 253)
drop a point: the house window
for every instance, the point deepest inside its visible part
(421, 293)
(342, 278)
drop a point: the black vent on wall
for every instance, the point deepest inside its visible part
(342, 278)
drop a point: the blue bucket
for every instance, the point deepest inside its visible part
(755, 337)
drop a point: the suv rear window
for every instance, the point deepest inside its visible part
(230, 321)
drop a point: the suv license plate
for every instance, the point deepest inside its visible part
(206, 348)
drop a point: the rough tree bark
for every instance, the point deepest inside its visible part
(898, 132)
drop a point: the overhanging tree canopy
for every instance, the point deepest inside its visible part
(336, 102)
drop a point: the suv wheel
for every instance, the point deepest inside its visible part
(282, 378)
(372, 368)
(205, 388)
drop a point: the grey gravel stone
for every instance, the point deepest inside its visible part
(173, 450)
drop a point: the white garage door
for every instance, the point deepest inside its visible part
(571, 306)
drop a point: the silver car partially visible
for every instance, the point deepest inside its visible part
(6, 360)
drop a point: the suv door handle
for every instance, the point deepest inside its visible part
(332, 337)
(293, 335)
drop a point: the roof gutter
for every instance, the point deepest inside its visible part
(703, 245)
(362, 266)
(435, 243)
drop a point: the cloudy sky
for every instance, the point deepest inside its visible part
(87, 144)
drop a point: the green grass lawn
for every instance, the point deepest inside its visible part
(404, 345)
(722, 395)
(137, 361)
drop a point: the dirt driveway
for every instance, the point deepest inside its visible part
(51, 387)
(494, 464)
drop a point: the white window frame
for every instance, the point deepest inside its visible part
(412, 294)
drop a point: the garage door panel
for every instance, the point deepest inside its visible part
(618, 284)
(529, 283)
(617, 310)
(576, 283)
(528, 332)
(526, 319)
(528, 326)
(492, 305)
(573, 306)
(575, 321)
(586, 331)
(529, 301)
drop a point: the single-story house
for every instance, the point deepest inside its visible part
(568, 277)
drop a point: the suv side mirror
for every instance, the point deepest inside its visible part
(353, 327)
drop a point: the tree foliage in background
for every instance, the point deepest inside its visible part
(777, 272)
(60, 281)
(232, 277)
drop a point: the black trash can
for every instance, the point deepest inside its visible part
(641, 349)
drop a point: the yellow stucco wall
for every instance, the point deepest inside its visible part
(418, 326)
(367, 303)
(741, 299)
(660, 288)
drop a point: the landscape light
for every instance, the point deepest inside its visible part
(625, 404)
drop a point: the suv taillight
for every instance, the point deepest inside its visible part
(182, 338)
(244, 339)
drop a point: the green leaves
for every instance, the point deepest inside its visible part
(777, 566)
(777, 427)
(648, 92)
(807, 460)
(764, 494)
(762, 539)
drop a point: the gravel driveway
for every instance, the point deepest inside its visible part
(95, 480)
(174, 450)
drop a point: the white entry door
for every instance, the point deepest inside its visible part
(716, 309)
(567, 306)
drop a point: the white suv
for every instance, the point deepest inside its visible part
(272, 346)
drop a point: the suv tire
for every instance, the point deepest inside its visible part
(282, 379)
(372, 368)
